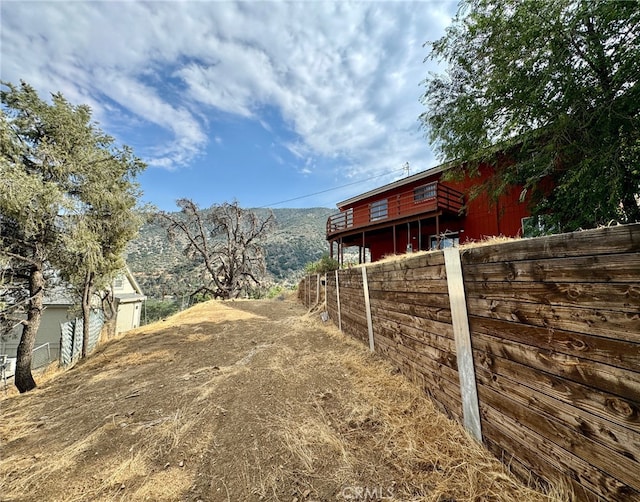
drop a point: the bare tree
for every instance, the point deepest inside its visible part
(226, 241)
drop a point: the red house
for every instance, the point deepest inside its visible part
(422, 212)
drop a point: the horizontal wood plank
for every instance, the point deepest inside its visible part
(601, 241)
(393, 310)
(400, 285)
(606, 323)
(622, 268)
(421, 260)
(382, 298)
(610, 351)
(622, 297)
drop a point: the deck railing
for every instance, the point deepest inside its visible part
(422, 199)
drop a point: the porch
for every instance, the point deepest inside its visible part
(405, 221)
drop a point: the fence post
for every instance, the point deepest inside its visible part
(317, 289)
(325, 291)
(464, 353)
(367, 304)
(338, 301)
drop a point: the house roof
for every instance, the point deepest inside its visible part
(59, 295)
(130, 297)
(132, 280)
(395, 184)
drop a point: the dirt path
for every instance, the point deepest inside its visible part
(249, 400)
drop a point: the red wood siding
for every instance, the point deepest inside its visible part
(391, 233)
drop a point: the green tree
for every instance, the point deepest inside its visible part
(553, 85)
(225, 241)
(106, 218)
(324, 265)
(53, 163)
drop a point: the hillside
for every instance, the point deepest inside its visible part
(239, 401)
(299, 238)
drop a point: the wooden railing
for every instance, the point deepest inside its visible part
(423, 199)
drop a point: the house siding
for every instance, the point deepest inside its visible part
(415, 223)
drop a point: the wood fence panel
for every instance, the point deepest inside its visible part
(604, 439)
(352, 307)
(555, 333)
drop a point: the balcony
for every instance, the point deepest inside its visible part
(429, 198)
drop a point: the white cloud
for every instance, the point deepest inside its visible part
(344, 76)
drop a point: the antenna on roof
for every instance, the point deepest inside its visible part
(406, 168)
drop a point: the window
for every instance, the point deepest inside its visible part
(118, 283)
(425, 192)
(449, 240)
(379, 210)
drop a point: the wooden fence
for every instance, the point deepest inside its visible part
(551, 379)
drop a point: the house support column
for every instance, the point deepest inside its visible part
(437, 231)
(395, 249)
(419, 235)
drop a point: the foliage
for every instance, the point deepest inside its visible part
(64, 203)
(553, 86)
(225, 241)
(156, 310)
(297, 238)
(322, 266)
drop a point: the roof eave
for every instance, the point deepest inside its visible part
(395, 184)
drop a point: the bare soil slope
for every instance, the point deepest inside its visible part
(248, 400)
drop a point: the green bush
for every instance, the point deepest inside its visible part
(322, 266)
(159, 309)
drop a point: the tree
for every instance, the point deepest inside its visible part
(226, 241)
(106, 218)
(322, 266)
(553, 86)
(51, 156)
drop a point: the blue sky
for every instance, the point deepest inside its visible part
(261, 102)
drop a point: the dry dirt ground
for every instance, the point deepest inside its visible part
(239, 401)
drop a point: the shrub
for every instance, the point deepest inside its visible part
(322, 266)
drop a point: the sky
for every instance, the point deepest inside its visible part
(265, 103)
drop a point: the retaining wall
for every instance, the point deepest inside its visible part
(532, 344)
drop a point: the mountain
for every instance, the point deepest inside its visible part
(298, 238)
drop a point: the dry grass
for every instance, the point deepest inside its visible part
(386, 421)
(488, 241)
(251, 409)
(485, 241)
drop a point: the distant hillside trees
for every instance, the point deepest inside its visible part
(67, 202)
(554, 84)
(226, 242)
